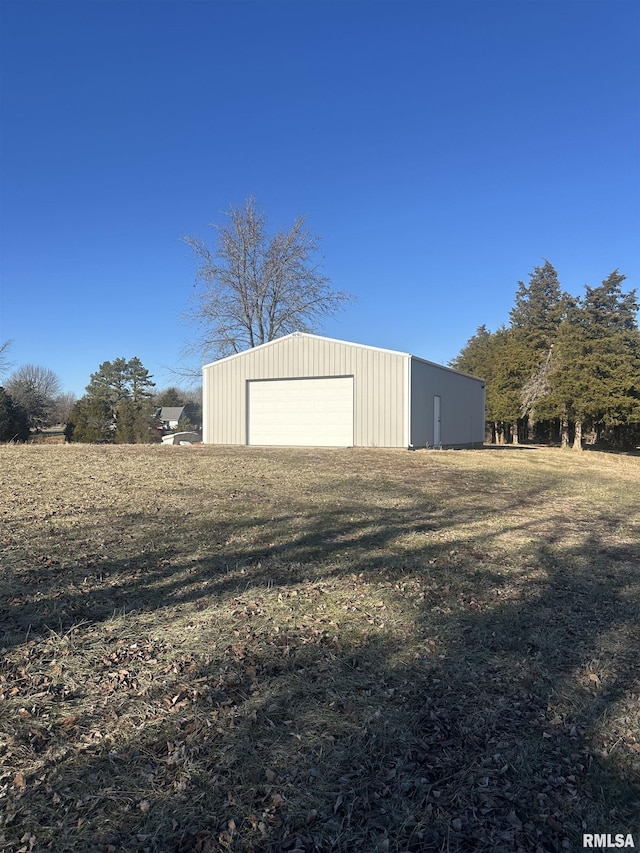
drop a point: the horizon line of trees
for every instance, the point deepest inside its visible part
(116, 407)
(120, 407)
(566, 369)
(30, 400)
(119, 404)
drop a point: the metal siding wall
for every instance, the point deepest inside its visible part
(462, 405)
(421, 435)
(379, 386)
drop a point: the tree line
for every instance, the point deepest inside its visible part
(253, 286)
(119, 405)
(566, 369)
(30, 400)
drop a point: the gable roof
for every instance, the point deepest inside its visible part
(171, 413)
(344, 343)
(304, 335)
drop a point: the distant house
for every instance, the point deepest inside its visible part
(169, 416)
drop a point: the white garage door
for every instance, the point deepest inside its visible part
(304, 412)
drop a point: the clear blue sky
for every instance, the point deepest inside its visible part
(441, 150)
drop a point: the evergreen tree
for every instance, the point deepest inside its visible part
(595, 382)
(110, 382)
(170, 397)
(14, 423)
(562, 361)
(191, 418)
(90, 421)
(608, 310)
(117, 406)
(503, 389)
(494, 357)
(539, 309)
(138, 381)
(515, 360)
(134, 423)
(475, 357)
(125, 422)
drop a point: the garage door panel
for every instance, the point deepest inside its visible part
(314, 412)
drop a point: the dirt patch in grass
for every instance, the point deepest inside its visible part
(280, 650)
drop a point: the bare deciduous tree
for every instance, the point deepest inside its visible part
(5, 364)
(257, 287)
(63, 404)
(34, 388)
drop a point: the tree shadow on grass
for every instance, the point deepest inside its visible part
(467, 712)
(478, 723)
(506, 447)
(186, 557)
(282, 549)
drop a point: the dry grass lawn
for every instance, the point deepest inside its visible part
(217, 649)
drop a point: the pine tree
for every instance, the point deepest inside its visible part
(138, 381)
(170, 397)
(562, 360)
(125, 422)
(109, 383)
(14, 422)
(90, 421)
(608, 309)
(494, 358)
(539, 309)
(474, 358)
(515, 360)
(595, 382)
(134, 423)
(503, 391)
(117, 406)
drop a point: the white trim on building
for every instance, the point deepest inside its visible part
(367, 396)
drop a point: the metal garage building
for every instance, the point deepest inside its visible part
(308, 390)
